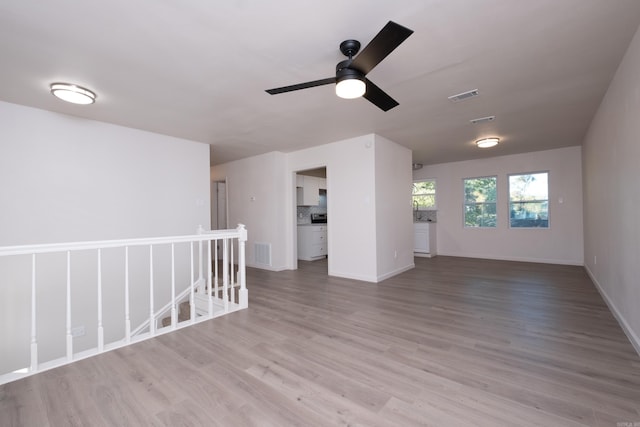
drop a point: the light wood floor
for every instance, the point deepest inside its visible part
(453, 342)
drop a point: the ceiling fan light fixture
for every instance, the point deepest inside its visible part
(350, 88)
(73, 93)
(487, 142)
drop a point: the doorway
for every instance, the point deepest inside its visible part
(311, 218)
(219, 205)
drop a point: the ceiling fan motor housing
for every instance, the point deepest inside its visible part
(343, 71)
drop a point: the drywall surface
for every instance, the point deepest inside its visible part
(369, 226)
(394, 220)
(611, 155)
(561, 243)
(68, 179)
(255, 197)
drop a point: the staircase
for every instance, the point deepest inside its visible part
(177, 274)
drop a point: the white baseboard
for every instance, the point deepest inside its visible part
(396, 272)
(373, 279)
(633, 337)
(266, 267)
(518, 259)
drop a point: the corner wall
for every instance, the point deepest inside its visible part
(394, 220)
(611, 155)
(561, 243)
(255, 197)
(369, 214)
(67, 179)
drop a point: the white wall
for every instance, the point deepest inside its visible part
(70, 179)
(611, 154)
(562, 243)
(394, 220)
(363, 182)
(256, 198)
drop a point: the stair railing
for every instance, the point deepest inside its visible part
(19, 360)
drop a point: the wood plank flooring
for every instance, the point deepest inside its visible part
(453, 342)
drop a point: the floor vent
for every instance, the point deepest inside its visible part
(262, 253)
(464, 95)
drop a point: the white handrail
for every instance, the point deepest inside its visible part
(212, 304)
(104, 244)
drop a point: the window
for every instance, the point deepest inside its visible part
(529, 200)
(480, 202)
(424, 194)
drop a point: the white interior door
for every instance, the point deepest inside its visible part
(219, 208)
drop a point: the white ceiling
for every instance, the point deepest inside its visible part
(198, 69)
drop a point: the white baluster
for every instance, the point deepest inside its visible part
(232, 295)
(192, 304)
(127, 314)
(100, 327)
(69, 336)
(225, 273)
(200, 265)
(34, 342)
(243, 294)
(152, 321)
(209, 296)
(216, 269)
(174, 317)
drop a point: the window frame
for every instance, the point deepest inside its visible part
(435, 195)
(465, 203)
(547, 200)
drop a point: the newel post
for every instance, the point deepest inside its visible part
(243, 293)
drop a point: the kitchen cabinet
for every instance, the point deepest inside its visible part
(308, 190)
(424, 239)
(312, 242)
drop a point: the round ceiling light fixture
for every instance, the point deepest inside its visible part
(487, 142)
(349, 82)
(73, 93)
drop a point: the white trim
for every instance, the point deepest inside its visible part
(518, 259)
(626, 328)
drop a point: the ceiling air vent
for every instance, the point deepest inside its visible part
(464, 95)
(483, 119)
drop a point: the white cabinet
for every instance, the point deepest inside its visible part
(424, 239)
(312, 242)
(308, 190)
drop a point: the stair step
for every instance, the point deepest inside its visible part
(184, 313)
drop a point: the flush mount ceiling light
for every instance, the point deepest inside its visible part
(73, 93)
(487, 142)
(416, 166)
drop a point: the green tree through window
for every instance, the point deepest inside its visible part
(480, 202)
(529, 200)
(424, 194)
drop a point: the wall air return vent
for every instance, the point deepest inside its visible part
(483, 120)
(464, 95)
(262, 253)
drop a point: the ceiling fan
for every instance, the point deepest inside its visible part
(350, 75)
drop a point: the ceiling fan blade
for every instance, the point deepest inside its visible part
(389, 38)
(301, 86)
(379, 97)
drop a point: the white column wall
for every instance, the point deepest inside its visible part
(369, 230)
(351, 203)
(394, 218)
